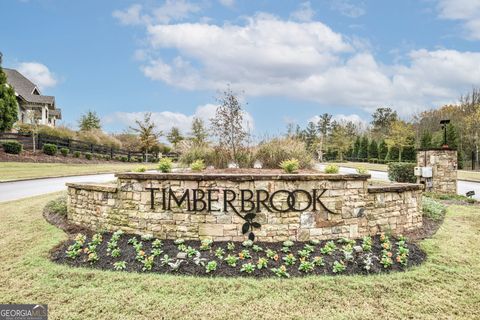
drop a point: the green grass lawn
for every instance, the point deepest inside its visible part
(462, 174)
(27, 170)
(446, 286)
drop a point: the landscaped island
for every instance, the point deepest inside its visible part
(266, 206)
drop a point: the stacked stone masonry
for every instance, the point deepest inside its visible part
(356, 209)
(444, 169)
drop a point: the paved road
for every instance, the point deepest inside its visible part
(28, 188)
(22, 189)
(462, 186)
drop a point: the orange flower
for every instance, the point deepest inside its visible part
(240, 256)
(275, 257)
(389, 254)
(398, 259)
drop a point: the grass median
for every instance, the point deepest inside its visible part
(447, 285)
(10, 171)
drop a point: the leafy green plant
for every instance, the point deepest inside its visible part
(285, 249)
(165, 165)
(281, 271)
(64, 151)
(115, 253)
(318, 261)
(314, 242)
(157, 243)
(197, 165)
(289, 259)
(120, 265)
(156, 252)
(244, 254)
(328, 248)
(386, 260)
(12, 147)
(231, 260)
(76, 154)
(57, 206)
(148, 263)
(88, 156)
(92, 257)
(290, 166)
(262, 263)
(271, 254)
(338, 266)
(433, 209)
(248, 268)
(219, 253)
(362, 170)
(96, 239)
(247, 243)
(230, 246)
(140, 255)
(165, 260)
(306, 266)
(49, 149)
(331, 169)
(179, 241)
(309, 248)
(303, 253)
(257, 248)
(211, 266)
(401, 172)
(191, 252)
(288, 243)
(367, 243)
(206, 244)
(140, 169)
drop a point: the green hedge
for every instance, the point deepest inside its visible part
(401, 172)
(50, 149)
(64, 151)
(12, 147)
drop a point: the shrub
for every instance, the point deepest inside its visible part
(331, 168)
(140, 169)
(433, 209)
(64, 151)
(57, 206)
(401, 172)
(76, 154)
(50, 149)
(165, 165)
(12, 147)
(273, 152)
(362, 170)
(197, 165)
(97, 136)
(124, 158)
(88, 156)
(58, 132)
(290, 166)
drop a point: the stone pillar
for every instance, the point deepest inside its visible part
(444, 169)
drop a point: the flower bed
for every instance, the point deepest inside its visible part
(122, 252)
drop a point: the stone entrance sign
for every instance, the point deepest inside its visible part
(443, 164)
(233, 207)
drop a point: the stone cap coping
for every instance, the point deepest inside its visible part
(240, 176)
(395, 187)
(93, 187)
(436, 149)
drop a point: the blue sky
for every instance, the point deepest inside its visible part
(292, 59)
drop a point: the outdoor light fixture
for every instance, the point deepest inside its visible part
(444, 127)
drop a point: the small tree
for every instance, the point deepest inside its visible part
(426, 140)
(382, 150)
(227, 125)
(341, 140)
(8, 102)
(199, 132)
(356, 147)
(324, 126)
(363, 151)
(373, 150)
(89, 121)
(310, 135)
(399, 136)
(174, 136)
(147, 133)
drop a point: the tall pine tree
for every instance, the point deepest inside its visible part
(363, 152)
(382, 150)
(373, 150)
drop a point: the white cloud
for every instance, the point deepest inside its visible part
(165, 120)
(304, 12)
(266, 55)
(227, 3)
(38, 73)
(348, 8)
(171, 10)
(467, 11)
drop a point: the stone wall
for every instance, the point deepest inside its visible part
(444, 169)
(348, 207)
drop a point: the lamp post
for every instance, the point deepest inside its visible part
(444, 124)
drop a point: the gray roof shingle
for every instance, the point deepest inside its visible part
(25, 87)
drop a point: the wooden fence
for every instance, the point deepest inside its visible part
(76, 145)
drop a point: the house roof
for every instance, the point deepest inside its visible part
(57, 113)
(26, 88)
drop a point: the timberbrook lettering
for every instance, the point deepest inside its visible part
(250, 201)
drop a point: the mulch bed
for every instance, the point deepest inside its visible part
(40, 157)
